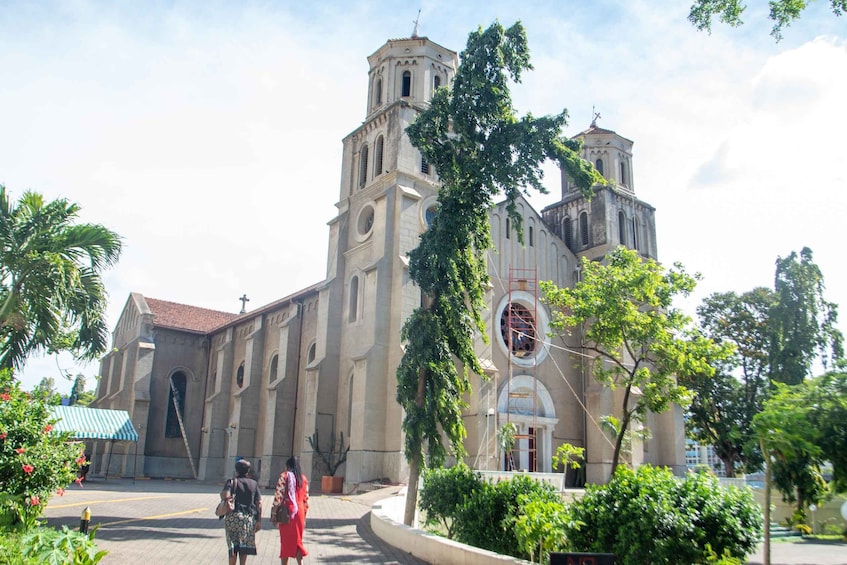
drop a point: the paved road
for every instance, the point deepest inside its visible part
(173, 522)
(151, 521)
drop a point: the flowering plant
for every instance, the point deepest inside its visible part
(35, 462)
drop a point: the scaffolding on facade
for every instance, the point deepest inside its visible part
(520, 332)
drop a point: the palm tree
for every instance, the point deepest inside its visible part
(51, 295)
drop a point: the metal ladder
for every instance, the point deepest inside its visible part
(177, 402)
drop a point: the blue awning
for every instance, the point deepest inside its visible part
(93, 423)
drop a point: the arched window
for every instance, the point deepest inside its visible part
(508, 228)
(176, 404)
(273, 371)
(598, 164)
(407, 84)
(621, 227)
(583, 228)
(624, 176)
(353, 312)
(567, 229)
(380, 143)
(436, 82)
(531, 237)
(634, 233)
(363, 166)
(378, 92)
(239, 375)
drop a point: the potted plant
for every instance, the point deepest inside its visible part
(568, 455)
(506, 439)
(332, 460)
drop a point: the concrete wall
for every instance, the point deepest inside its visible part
(428, 547)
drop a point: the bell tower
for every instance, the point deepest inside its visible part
(386, 195)
(614, 216)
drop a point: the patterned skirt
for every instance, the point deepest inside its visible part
(240, 536)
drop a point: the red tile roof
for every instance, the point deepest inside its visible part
(184, 317)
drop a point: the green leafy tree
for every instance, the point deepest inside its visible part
(651, 516)
(46, 389)
(828, 397)
(790, 442)
(721, 413)
(802, 427)
(480, 149)
(86, 398)
(51, 295)
(640, 341)
(782, 13)
(803, 324)
(35, 462)
(77, 390)
(779, 335)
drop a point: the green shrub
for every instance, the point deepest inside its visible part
(650, 516)
(833, 529)
(540, 529)
(488, 518)
(44, 545)
(35, 462)
(58, 547)
(444, 494)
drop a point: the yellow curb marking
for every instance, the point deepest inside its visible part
(90, 502)
(195, 510)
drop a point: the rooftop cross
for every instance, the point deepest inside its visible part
(417, 20)
(244, 300)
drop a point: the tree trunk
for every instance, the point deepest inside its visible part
(728, 467)
(412, 491)
(415, 463)
(624, 425)
(767, 548)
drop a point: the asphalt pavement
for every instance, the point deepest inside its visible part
(161, 521)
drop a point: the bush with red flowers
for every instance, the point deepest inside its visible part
(35, 462)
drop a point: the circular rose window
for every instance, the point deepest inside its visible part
(365, 223)
(517, 328)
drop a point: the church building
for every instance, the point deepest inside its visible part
(203, 387)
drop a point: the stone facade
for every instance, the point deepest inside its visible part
(259, 383)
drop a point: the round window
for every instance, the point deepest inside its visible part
(428, 210)
(517, 327)
(429, 214)
(366, 221)
(523, 328)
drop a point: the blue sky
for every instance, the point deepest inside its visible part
(208, 134)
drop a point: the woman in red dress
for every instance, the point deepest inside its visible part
(292, 491)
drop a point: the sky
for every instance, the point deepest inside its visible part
(208, 134)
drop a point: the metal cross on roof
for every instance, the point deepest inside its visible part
(244, 300)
